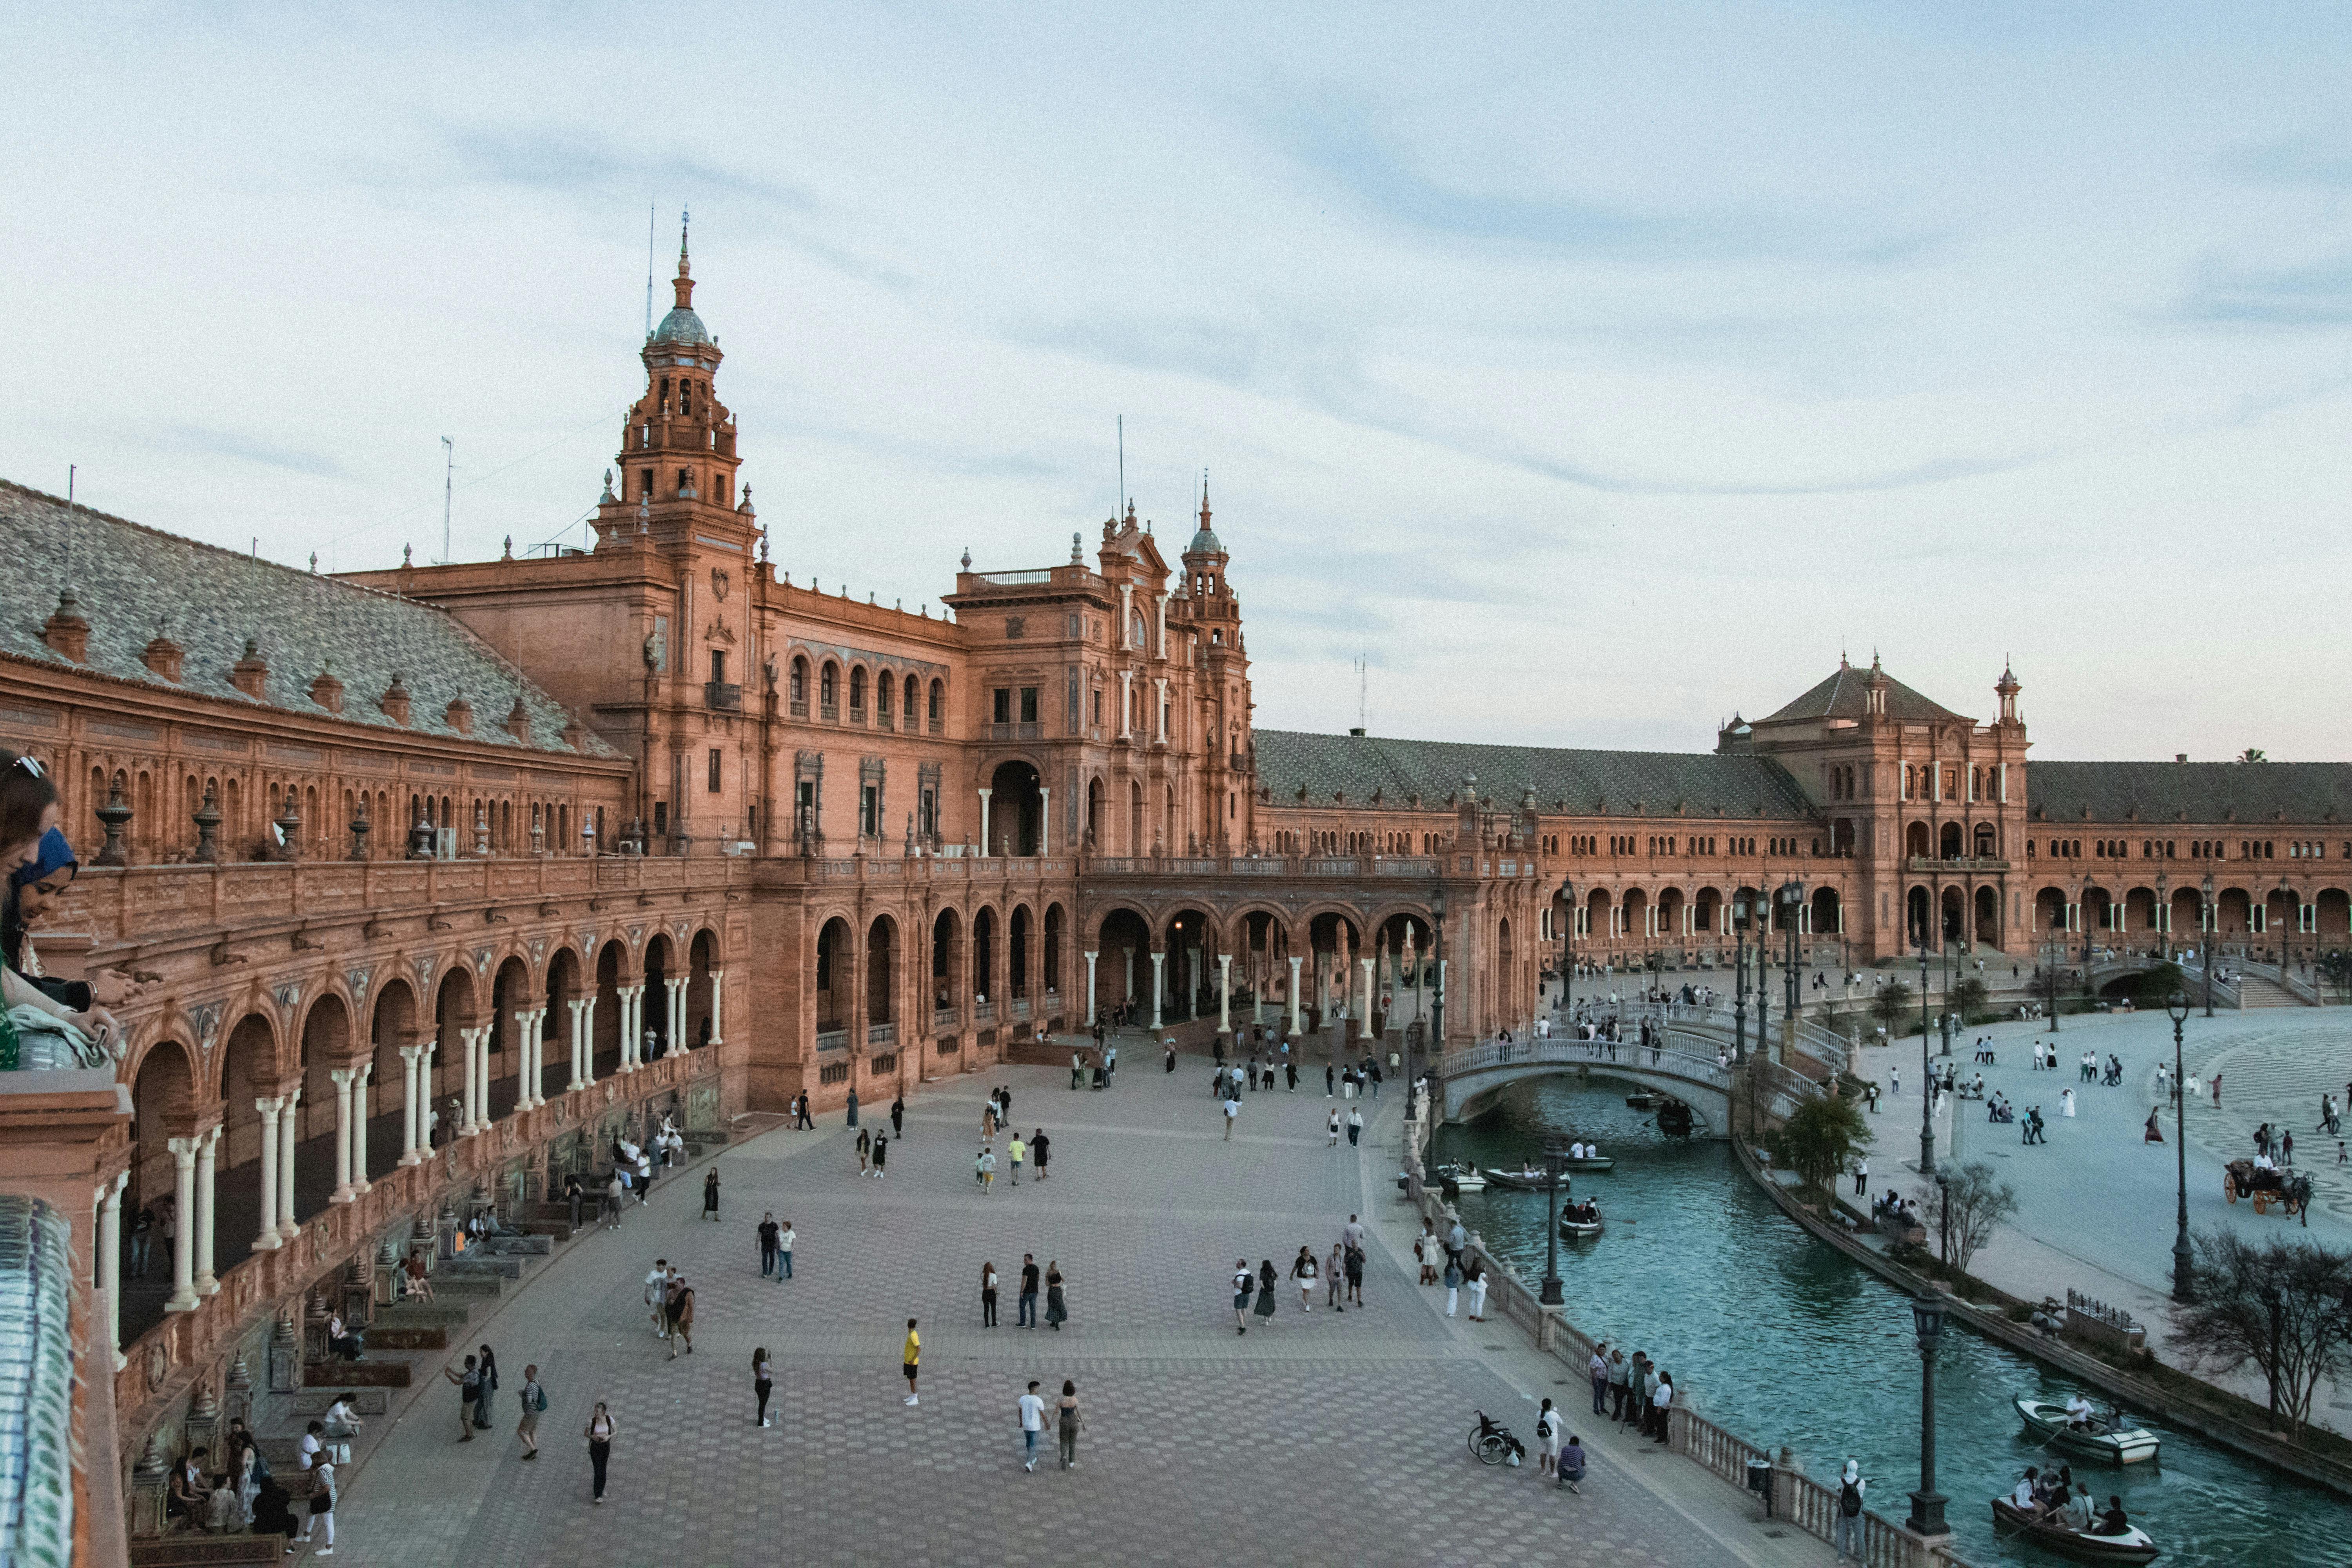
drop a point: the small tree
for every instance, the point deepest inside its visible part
(2336, 968)
(1891, 1006)
(2276, 1304)
(1964, 1209)
(1969, 998)
(1822, 1139)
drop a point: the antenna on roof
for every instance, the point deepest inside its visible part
(65, 579)
(650, 208)
(448, 491)
(1121, 505)
(1363, 718)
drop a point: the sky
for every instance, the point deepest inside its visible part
(1591, 372)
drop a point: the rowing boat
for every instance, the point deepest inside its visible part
(2106, 1439)
(1522, 1180)
(2132, 1546)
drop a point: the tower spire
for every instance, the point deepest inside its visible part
(684, 283)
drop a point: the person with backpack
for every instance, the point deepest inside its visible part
(1547, 1439)
(1851, 1488)
(534, 1405)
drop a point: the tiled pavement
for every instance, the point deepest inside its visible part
(1325, 1439)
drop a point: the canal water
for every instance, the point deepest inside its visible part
(1779, 1339)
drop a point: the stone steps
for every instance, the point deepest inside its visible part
(424, 1315)
(190, 1550)
(356, 1374)
(2253, 990)
(435, 1337)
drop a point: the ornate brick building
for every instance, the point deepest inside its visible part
(415, 887)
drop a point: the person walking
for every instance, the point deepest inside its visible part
(710, 1194)
(1456, 1238)
(1070, 1421)
(599, 1433)
(1057, 1309)
(1851, 1488)
(534, 1405)
(865, 1150)
(1016, 1151)
(1266, 1301)
(1033, 1421)
(1039, 1146)
(910, 1358)
(322, 1508)
(490, 1386)
(1861, 1177)
(1354, 1263)
(1330, 1077)
(764, 1382)
(784, 1239)
(881, 1155)
(1335, 1277)
(1547, 1439)
(1355, 1127)
(681, 1317)
(1426, 1247)
(983, 1166)
(1477, 1281)
(1332, 1127)
(1233, 1110)
(769, 1231)
(1025, 1310)
(658, 1296)
(899, 1117)
(1244, 1284)
(853, 1105)
(614, 1191)
(804, 1124)
(1452, 1282)
(1290, 1071)
(470, 1384)
(988, 1295)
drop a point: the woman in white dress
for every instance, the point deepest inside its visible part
(2066, 1102)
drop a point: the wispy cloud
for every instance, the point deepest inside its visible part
(2314, 294)
(578, 163)
(247, 448)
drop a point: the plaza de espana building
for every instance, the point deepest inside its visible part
(414, 887)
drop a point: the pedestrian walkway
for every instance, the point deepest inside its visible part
(1325, 1436)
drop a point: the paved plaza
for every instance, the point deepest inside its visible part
(1325, 1438)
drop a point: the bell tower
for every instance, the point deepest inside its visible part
(678, 457)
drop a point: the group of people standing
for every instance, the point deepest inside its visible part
(1057, 1302)
(1640, 1392)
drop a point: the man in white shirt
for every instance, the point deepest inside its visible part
(784, 1239)
(1033, 1421)
(1232, 1109)
(657, 1295)
(2078, 1410)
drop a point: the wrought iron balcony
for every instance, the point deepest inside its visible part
(723, 694)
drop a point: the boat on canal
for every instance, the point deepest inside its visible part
(1464, 1177)
(1523, 1180)
(2106, 1438)
(1597, 1164)
(1579, 1222)
(1642, 1100)
(2133, 1545)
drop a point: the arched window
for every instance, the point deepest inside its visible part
(828, 690)
(913, 702)
(857, 692)
(882, 690)
(800, 684)
(938, 702)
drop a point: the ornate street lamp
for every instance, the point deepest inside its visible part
(1927, 1100)
(1437, 991)
(1927, 1503)
(2183, 1287)
(1739, 977)
(1555, 1159)
(1793, 902)
(2212, 929)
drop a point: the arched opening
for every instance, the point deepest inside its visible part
(1826, 912)
(391, 1026)
(326, 1046)
(857, 694)
(1135, 816)
(1915, 841)
(564, 988)
(453, 1013)
(605, 1027)
(1637, 916)
(1020, 949)
(1597, 924)
(1402, 977)
(1094, 815)
(828, 691)
(163, 1107)
(660, 966)
(2098, 907)
(700, 957)
(1953, 926)
(832, 983)
(512, 992)
(1987, 844)
(1950, 841)
(1706, 912)
(1511, 989)
(947, 969)
(1189, 968)
(985, 982)
(249, 1072)
(2050, 910)
(1916, 912)
(1987, 918)
(1332, 942)
(1058, 936)
(1670, 915)
(1016, 814)
(1123, 945)
(881, 972)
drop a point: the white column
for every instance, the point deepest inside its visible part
(526, 1023)
(678, 1040)
(1126, 705)
(288, 1123)
(984, 846)
(1160, 709)
(1158, 960)
(412, 1101)
(207, 1163)
(1224, 992)
(466, 1128)
(183, 1223)
(341, 1078)
(1364, 1013)
(717, 1000)
(630, 1042)
(365, 1071)
(1090, 986)
(1159, 616)
(110, 1261)
(1295, 961)
(579, 1079)
(1045, 820)
(268, 1239)
(1126, 615)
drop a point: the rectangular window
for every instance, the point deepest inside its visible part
(661, 644)
(714, 770)
(718, 665)
(930, 814)
(661, 818)
(1000, 709)
(869, 810)
(1028, 705)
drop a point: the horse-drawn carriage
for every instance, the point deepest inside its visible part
(2265, 1186)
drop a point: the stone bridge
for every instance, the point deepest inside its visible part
(1687, 1066)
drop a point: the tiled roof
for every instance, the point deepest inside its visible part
(1843, 696)
(1703, 784)
(2248, 794)
(128, 581)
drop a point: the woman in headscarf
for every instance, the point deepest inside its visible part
(30, 841)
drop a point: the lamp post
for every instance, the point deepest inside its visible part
(1927, 1503)
(1793, 902)
(1555, 1158)
(1927, 1100)
(1739, 977)
(2212, 919)
(1437, 983)
(2183, 1286)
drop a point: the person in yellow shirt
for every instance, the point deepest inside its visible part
(911, 1357)
(1020, 1152)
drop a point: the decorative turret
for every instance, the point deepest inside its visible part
(65, 631)
(250, 674)
(2006, 689)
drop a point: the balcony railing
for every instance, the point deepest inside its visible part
(1004, 731)
(832, 1039)
(1956, 863)
(944, 1018)
(722, 694)
(881, 1034)
(984, 1012)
